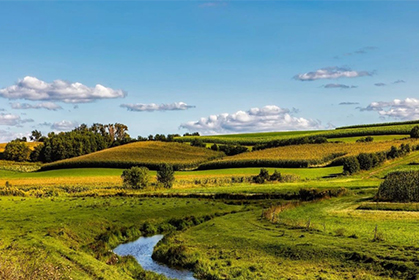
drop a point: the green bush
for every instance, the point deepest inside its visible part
(400, 186)
(351, 165)
(366, 161)
(136, 177)
(166, 175)
(414, 133)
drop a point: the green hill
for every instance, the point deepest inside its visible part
(150, 154)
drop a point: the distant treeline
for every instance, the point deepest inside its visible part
(378, 124)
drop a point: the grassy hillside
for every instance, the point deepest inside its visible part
(150, 154)
(303, 155)
(259, 138)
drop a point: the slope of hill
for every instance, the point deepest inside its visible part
(303, 155)
(264, 137)
(150, 154)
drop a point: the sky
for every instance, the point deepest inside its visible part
(210, 67)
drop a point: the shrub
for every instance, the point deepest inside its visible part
(276, 176)
(166, 175)
(401, 186)
(414, 133)
(136, 177)
(351, 165)
(262, 177)
(366, 161)
(197, 143)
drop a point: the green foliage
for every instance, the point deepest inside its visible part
(351, 165)
(276, 176)
(414, 133)
(231, 150)
(17, 151)
(166, 175)
(136, 177)
(400, 186)
(366, 139)
(196, 142)
(366, 161)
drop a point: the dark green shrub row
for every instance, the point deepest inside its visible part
(400, 186)
(378, 124)
(230, 150)
(366, 161)
(291, 141)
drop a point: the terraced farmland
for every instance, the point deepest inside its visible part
(302, 155)
(150, 154)
(259, 138)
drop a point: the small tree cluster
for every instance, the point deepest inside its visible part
(414, 133)
(366, 161)
(198, 143)
(366, 139)
(264, 176)
(17, 150)
(230, 150)
(136, 177)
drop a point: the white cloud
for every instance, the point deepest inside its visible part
(154, 107)
(45, 105)
(407, 109)
(12, 120)
(7, 136)
(338, 86)
(399, 82)
(268, 118)
(331, 73)
(31, 88)
(64, 125)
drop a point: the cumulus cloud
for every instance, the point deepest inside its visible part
(64, 125)
(348, 103)
(407, 109)
(268, 118)
(12, 120)
(45, 105)
(331, 73)
(45, 124)
(380, 84)
(7, 136)
(338, 86)
(31, 88)
(177, 106)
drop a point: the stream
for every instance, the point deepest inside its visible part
(142, 249)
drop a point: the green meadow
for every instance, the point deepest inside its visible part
(314, 223)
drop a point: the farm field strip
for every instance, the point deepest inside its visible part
(112, 176)
(303, 154)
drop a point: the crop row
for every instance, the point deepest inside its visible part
(337, 133)
(303, 155)
(149, 154)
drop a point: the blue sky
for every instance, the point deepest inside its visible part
(212, 67)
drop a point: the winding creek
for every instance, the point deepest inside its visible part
(142, 249)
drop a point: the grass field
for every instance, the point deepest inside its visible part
(56, 238)
(338, 244)
(63, 223)
(259, 138)
(377, 138)
(150, 154)
(111, 177)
